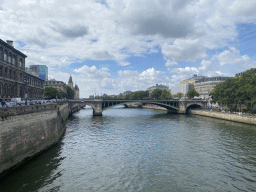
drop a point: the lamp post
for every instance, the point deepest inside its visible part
(26, 92)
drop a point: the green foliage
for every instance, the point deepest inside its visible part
(192, 93)
(165, 94)
(137, 95)
(156, 93)
(51, 92)
(237, 90)
(179, 95)
(70, 93)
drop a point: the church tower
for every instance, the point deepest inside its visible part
(70, 82)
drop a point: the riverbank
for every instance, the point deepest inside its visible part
(226, 116)
(154, 107)
(27, 131)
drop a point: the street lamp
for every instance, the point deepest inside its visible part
(26, 92)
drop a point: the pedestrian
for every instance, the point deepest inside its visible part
(3, 103)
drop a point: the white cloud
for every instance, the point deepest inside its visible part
(181, 74)
(133, 80)
(165, 18)
(233, 57)
(205, 65)
(170, 63)
(242, 8)
(184, 50)
(93, 72)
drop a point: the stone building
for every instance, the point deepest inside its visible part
(205, 86)
(32, 72)
(192, 80)
(14, 80)
(60, 85)
(75, 88)
(161, 87)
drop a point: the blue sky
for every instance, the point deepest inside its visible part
(111, 46)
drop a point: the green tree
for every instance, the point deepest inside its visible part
(156, 93)
(50, 92)
(237, 90)
(70, 93)
(192, 93)
(165, 94)
(179, 95)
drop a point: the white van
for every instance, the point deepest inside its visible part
(18, 101)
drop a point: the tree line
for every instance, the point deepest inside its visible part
(156, 94)
(52, 93)
(237, 90)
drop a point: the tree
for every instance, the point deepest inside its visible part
(165, 94)
(156, 93)
(192, 93)
(50, 92)
(70, 93)
(237, 90)
(179, 95)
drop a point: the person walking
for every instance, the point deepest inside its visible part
(3, 103)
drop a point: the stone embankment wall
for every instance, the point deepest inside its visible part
(154, 107)
(226, 116)
(26, 131)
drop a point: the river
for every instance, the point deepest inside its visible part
(143, 150)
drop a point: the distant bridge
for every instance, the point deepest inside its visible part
(172, 106)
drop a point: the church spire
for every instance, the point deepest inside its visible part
(70, 79)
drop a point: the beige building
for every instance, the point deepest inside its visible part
(205, 86)
(60, 85)
(151, 89)
(75, 88)
(192, 80)
(32, 72)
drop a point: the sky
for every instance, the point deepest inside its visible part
(113, 46)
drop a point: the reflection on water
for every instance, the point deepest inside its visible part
(143, 150)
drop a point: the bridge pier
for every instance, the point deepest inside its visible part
(97, 113)
(97, 109)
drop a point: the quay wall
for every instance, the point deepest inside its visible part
(26, 131)
(154, 107)
(226, 116)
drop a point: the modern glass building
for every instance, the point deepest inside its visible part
(42, 70)
(184, 88)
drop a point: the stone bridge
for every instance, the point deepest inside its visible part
(172, 106)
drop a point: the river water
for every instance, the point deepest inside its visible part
(143, 150)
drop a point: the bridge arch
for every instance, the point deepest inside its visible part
(173, 106)
(193, 106)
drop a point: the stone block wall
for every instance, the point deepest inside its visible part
(22, 136)
(226, 116)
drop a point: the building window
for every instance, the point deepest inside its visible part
(13, 60)
(1, 53)
(10, 58)
(5, 56)
(20, 63)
